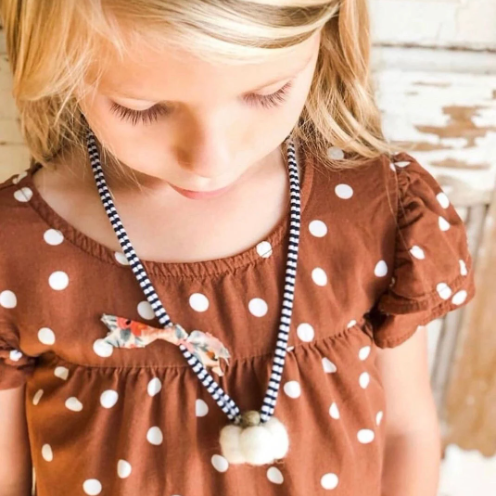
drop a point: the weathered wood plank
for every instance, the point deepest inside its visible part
(471, 396)
(442, 369)
(443, 113)
(436, 23)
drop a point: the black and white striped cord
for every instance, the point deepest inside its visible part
(222, 399)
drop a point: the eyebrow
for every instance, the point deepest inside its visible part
(270, 83)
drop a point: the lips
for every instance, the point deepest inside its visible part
(200, 195)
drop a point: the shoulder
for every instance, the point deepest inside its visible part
(11, 190)
(20, 222)
(15, 195)
(350, 192)
(379, 186)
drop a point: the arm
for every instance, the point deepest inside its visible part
(15, 459)
(412, 450)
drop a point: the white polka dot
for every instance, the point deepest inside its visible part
(123, 469)
(329, 367)
(292, 389)
(264, 249)
(61, 372)
(257, 307)
(20, 176)
(335, 153)
(381, 269)
(37, 396)
(378, 417)
(154, 436)
(344, 191)
(444, 225)
(351, 323)
(198, 302)
(443, 290)
(220, 463)
(364, 379)
(15, 355)
(319, 276)
(23, 194)
(92, 487)
(403, 163)
(58, 280)
(8, 299)
(275, 475)
(289, 348)
(417, 252)
(334, 411)
(145, 310)
(47, 453)
(392, 167)
(305, 332)
(102, 348)
(154, 386)
(74, 404)
(121, 258)
(53, 237)
(329, 481)
(317, 228)
(459, 297)
(46, 336)
(201, 408)
(443, 200)
(109, 398)
(365, 436)
(364, 353)
(463, 268)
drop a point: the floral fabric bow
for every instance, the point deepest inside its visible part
(126, 333)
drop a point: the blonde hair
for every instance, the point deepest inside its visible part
(54, 47)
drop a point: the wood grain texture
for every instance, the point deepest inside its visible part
(441, 105)
(437, 104)
(461, 24)
(470, 414)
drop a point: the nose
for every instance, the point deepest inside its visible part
(206, 149)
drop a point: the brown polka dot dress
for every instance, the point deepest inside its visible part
(382, 251)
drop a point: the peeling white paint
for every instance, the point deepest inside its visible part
(438, 23)
(446, 116)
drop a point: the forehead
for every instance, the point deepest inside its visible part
(179, 75)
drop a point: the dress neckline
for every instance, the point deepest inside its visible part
(197, 269)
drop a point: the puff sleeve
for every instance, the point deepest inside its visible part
(433, 272)
(15, 366)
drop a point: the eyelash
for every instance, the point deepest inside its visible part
(153, 113)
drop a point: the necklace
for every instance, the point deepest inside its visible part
(252, 437)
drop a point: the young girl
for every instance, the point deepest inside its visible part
(214, 245)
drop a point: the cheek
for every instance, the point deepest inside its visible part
(273, 126)
(142, 148)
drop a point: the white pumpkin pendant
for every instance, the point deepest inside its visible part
(253, 442)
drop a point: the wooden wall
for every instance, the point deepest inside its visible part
(435, 67)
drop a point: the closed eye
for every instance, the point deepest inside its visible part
(272, 100)
(152, 114)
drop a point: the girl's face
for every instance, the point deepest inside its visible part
(195, 125)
